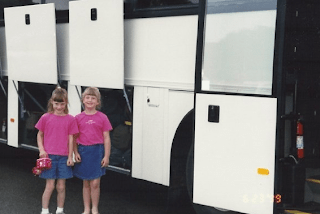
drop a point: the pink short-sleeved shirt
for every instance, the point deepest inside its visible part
(91, 128)
(56, 131)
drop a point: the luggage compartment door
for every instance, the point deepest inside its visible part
(31, 43)
(96, 43)
(235, 156)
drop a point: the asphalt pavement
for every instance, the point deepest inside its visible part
(21, 191)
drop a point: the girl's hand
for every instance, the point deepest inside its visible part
(70, 162)
(105, 162)
(77, 157)
(43, 154)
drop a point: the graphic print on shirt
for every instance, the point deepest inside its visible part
(90, 122)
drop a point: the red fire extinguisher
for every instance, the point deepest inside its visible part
(300, 146)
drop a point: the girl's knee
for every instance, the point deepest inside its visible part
(95, 184)
(50, 185)
(61, 186)
(86, 184)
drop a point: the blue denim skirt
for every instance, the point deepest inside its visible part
(90, 166)
(59, 169)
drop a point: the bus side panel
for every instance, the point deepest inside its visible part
(155, 124)
(234, 156)
(149, 133)
(13, 113)
(160, 52)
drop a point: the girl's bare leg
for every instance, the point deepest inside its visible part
(61, 192)
(86, 196)
(95, 194)
(47, 193)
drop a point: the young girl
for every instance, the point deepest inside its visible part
(55, 139)
(92, 150)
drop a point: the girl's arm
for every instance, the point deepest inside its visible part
(70, 155)
(107, 148)
(77, 156)
(42, 152)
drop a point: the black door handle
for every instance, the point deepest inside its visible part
(213, 113)
(27, 19)
(94, 14)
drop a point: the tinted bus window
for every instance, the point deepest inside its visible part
(142, 4)
(132, 8)
(12, 3)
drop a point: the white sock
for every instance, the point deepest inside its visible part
(59, 210)
(45, 211)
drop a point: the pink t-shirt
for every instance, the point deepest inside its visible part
(56, 131)
(91, 128)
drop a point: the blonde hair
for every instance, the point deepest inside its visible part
(93, 91)
(58, 95)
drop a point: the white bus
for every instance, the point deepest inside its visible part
(216, 99)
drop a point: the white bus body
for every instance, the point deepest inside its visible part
(159, 62)
(215, 97)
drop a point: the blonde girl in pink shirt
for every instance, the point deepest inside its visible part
(55, 139)
(92, 148)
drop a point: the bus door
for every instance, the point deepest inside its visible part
(32, 67)
(96, 43)
(235, 106)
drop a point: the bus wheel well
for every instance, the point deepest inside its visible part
(178, 197)
(181, 172)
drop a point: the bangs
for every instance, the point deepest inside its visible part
(59, 97)
(92, 92)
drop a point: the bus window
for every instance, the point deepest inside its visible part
(60, 5)
(238, 52)
(3, 107)
(142, 4)
(132, 8)
(34, 99)
(10, 3)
